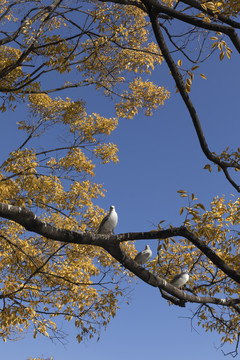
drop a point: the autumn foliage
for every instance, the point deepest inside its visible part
(52, 51)
(53, 175)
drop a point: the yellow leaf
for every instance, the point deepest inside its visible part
(228, 54)
(179, 62)
(222, 55)
(201, 206)
(208, 167)
(203, 76)
(181, 210)
(162, 221)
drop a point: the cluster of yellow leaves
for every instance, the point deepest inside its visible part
(53, 280)
(6, 12)
(144, 94)
(228, 156)
(214, 6)
(73, 114)
(27, 181)
(8, 56)
(218, 228)
(58, 51)
(222, 46)
(49, 108)
(225, 7)
(229, 7)
(40, 279)
(75, 159)
(190, 75)
(189, 82)
(94, 124)
(107, 152)
(122, 47)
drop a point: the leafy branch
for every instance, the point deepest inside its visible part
(111, 243)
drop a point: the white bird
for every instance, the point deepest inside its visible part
(109, 222)
(180, 279)
(143, 256)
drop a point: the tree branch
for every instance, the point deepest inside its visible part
(189, 19)
(224, 19)
(111, 243)
(191, 109)
(127, 2)
(49, 10)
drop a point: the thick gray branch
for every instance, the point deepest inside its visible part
(189, 19)
(112, 243)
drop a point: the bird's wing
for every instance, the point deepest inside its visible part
(138, 255)
(103, 221)
(175, 278)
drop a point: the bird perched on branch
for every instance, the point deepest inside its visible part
(180, 279)
(143, 256)
(109, 222)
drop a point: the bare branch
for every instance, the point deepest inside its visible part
(192, 111)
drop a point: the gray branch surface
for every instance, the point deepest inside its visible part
(112, 244)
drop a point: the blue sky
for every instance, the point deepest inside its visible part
(158, 156)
